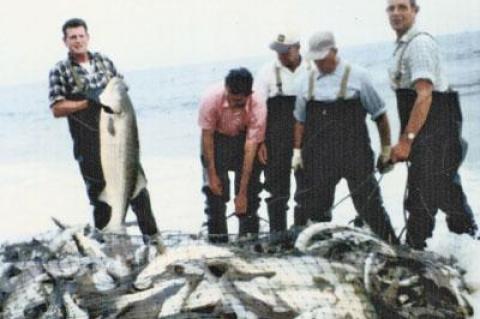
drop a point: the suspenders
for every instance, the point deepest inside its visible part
(77, 77)
(398, 72)
(342, 94)
(278, 80)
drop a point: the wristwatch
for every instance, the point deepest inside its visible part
(410, 136)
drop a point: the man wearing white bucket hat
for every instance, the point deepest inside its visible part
(277, 82)
(331, 107)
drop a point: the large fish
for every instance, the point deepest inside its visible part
(119, 153)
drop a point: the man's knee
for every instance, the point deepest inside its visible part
(461, 224)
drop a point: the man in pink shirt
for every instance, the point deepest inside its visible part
(232, 118)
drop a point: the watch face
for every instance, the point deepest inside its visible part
(411, 136)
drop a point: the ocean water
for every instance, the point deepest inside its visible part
(39, 177)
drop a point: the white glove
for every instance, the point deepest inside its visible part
(297, 161)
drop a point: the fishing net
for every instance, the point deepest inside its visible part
(317, 272)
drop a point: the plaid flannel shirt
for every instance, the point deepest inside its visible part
(62, 81)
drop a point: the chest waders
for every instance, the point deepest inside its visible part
(433, 181)
(279, 143)
(229, 154)
(84, 129)
(336, 145)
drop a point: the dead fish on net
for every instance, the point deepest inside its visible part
(231, 306)
(184, 253)
(307, 282)
(416, 284)
(237, 268)
(116, 267)
(64, 244)
(26, 298)
(206, 297)
(259, 294)
(119, 306)
(65, 268)
(72, 310)
(320, 233)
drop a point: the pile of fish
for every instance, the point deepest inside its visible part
(318, 272)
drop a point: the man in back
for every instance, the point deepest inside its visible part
(277, 82)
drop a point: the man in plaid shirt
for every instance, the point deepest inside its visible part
(74, 88)
(431, 123)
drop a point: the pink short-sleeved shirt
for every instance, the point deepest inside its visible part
(215, 114)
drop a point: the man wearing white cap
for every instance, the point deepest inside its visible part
(331, 108)
(277, 82)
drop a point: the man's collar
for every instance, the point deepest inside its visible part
(279, 64)
(339, 68)
(72, 60)
(225, 101)
(408, 35)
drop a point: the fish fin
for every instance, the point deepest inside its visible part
(60, 224)
(111, 127)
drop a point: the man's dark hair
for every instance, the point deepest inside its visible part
(239, 81)
(414, 5)
(73, 23)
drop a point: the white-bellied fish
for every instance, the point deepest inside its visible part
(183, 253)
(119, 153)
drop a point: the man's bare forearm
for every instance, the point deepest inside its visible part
(67, 107)
(298, 135)
(421, 108)
(383, 127)
(208, 150)
(250, 151)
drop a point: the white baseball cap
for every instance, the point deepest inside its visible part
(319, 45)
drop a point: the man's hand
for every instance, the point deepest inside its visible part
(262, 154)
(297, 161)
(215, 184)
(93, 96)
(401, 151)
(384, 162)
(240, 204)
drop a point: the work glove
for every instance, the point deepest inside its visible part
(297, 161)
(93, 96)
(384, 162)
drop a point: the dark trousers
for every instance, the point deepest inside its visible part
(229, 153)
(277, 172)
(434, 183)
(336, 145)
(323, 175)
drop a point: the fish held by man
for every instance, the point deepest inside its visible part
(119, 153)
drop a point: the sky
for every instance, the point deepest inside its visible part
(142, 34)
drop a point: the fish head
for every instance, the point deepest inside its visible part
(114, 94)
